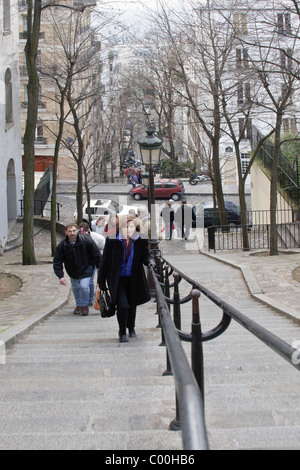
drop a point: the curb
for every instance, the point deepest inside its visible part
(254, 289)
(12, 335)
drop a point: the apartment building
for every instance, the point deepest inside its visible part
(248, 38)
(61, 29)
(10, 133)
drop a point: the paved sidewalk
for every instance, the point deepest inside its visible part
(40, 294)
(269, 279)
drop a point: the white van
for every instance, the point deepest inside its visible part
(99, 207)
(104, 207)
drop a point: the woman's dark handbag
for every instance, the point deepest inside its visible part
(106, 309)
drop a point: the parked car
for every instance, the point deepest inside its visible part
(105, 207)
(206, 210)
(163, 189)
(129, 162)
(99, 207)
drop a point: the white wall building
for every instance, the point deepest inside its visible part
(10, 133)
(256, 37)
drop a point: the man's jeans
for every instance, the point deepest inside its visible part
(92, 288)
(81, 291)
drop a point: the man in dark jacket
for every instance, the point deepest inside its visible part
(79, 255)
(183, 218)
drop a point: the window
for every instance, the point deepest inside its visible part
(245, 128)
(39, 134)
(284, 23)
(286, 59)
(289, 125)
(242, 58)
(170, 185)
(245, 160)
(240, 23)
(6, 15)
(8, 97)
(240, 94)
(243, 93)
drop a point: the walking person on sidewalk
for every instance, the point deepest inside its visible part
(78, 255)
(123, 271)
(183, 218)
(100, 242)
(167, 215)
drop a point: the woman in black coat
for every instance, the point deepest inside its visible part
(123, 271)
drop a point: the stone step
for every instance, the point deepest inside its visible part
(70, 384)
(140, 439)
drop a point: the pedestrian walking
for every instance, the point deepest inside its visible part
(134, 180)
(100, 242)
(98, 225)
(183, 218)
(139, 174)
(127, 175)
(78, 255)
(143, 215)
(168, 216)
(123, 272)
(110, 229)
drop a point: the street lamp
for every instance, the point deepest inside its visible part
(150, 148)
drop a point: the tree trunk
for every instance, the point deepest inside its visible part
(273, 191)
(31, 49)
(54, 181)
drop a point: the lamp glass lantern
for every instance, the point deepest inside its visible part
(150, 148)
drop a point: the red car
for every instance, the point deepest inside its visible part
(163, 189)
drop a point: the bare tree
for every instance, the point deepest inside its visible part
(34, 14)
(274, 58)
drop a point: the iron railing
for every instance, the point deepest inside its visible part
(190, 416)
(42, 208)
(288, 236)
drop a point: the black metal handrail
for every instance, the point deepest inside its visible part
(172, 334)
(271, 340)
(189, 398)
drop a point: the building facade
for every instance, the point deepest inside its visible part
(10, 133)
(240, 43)
(61, 29)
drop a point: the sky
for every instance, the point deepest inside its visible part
(132, 12)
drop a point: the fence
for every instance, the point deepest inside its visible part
(258, 236)
(42, 208)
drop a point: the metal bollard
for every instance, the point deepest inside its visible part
(197, 346)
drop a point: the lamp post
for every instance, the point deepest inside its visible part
(150, 148)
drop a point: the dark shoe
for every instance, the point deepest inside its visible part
(123, 339)
(85, 311)
(132, 334)
(77, 311)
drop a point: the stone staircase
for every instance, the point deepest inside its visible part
(69, 384)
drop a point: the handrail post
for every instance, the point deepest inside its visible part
(160, 279)
(168, 370)
(166, 283)
(197, 346)
(175, 423)
(176, 298)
